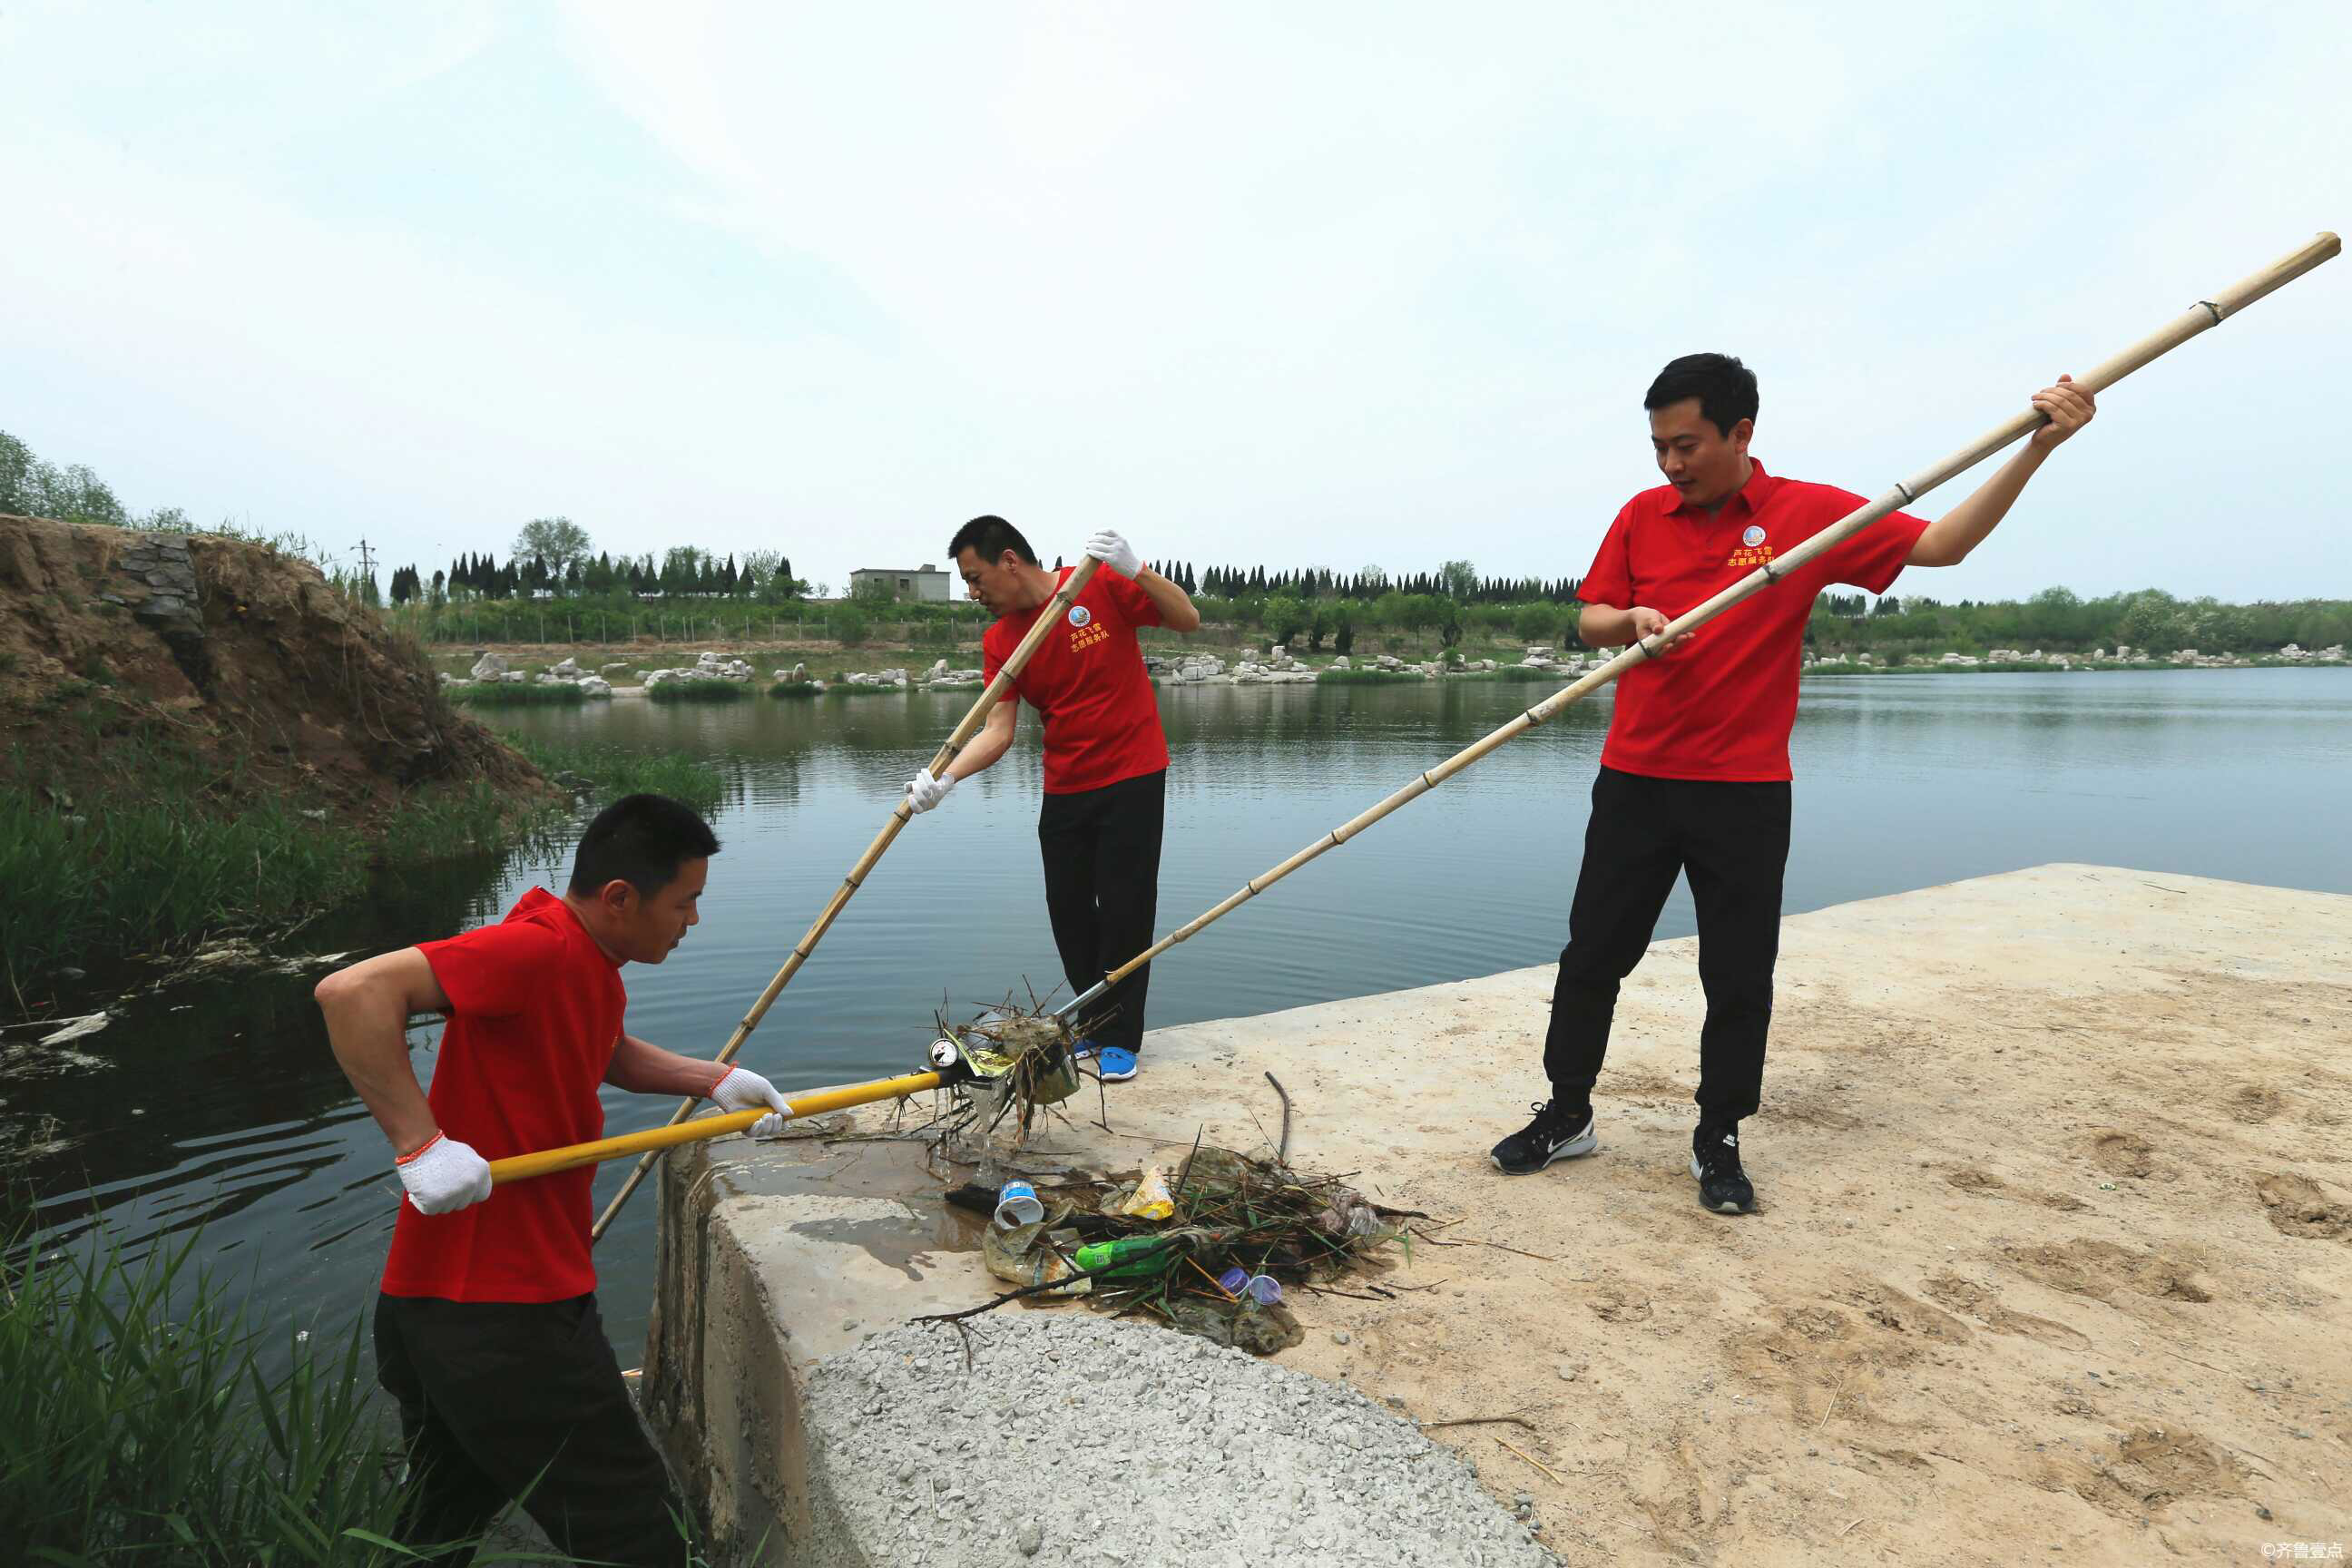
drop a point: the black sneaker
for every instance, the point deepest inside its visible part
(1723, 1186)
(1554, 1134)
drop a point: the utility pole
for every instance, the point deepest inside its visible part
(367, 571)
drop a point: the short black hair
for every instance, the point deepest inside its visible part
(990, 537)
(1724, 388)
(640, 839)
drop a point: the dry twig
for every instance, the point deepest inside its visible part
(1479, 1421)
(1531, 1460)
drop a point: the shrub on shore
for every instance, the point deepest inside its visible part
(517, 694)
(699, 690)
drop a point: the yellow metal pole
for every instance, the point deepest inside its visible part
(522, 1167)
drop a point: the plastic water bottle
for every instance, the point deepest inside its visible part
(1127, 1255)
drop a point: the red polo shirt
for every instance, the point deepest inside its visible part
(1088, 679)
(1720, 707)
(535, 1010)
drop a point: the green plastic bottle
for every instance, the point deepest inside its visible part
(1129, 1254)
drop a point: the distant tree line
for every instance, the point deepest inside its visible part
(1456, 579)
(763, 575)
(553, 558)
(2058, 620)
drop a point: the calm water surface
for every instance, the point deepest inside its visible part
(216, 1102)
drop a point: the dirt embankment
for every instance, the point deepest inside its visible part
(238, 662)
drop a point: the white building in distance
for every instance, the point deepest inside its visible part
(926, 581)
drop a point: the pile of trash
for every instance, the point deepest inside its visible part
(1209, 1252)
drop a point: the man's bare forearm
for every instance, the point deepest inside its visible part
(367, 1025)
(640, 1067)
(983, 750)
(1948, 541)
(1176, 608)
(1604, 625)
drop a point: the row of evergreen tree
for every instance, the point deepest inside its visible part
(1456, 579)
(683, 571)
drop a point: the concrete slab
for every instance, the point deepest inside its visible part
(2054, 1255)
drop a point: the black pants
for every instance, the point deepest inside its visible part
(1102, 889)
(501, 1400)
(1732, 841)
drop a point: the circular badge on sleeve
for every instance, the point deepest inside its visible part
(1753, 537)
(1080, 615)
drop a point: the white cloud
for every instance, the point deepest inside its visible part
(1293, 284)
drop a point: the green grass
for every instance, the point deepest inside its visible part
(125, 875)
(517, 694)
(699, 691)
(794, 689)
(141, 1421)
(1352, 677)
(610, 773)
(844, 688)
(137, 1423)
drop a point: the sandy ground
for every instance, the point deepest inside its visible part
(2052, 1260)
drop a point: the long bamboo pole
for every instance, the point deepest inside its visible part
(2201, 317)
(899, 816)
(544, 1161)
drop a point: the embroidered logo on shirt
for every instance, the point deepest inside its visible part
(1752, 550)
(1080, 615)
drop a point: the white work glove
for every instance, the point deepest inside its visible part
(1114, 551)
(924, 791)
(444, 1176)
(743, 1090)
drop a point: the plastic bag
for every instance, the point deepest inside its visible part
(1151, 1199)
(1014, 1256)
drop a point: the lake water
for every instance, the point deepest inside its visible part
(216, 1102)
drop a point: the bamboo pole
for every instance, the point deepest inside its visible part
(545, 1162)
(899, 816)
(2201, 317)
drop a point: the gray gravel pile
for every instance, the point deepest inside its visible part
(1075, 1438)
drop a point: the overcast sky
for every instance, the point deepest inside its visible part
(1299, 284)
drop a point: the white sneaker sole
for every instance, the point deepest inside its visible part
(1584, 1142)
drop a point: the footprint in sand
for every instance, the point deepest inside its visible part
(2098, 1269)
(2297, 1206)
(2125, 1154)
(2254, 1103)
(1982, 1302)
(2146, 1471)
(1979, 1183)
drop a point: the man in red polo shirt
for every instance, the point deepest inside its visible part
(1694, 774)
(1105, 755)
(486, 1331)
